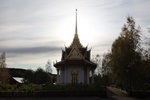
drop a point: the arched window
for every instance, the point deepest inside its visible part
(74, 76)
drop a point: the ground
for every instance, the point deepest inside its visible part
(118, 94)
(113, 94)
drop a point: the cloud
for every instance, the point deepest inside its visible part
(31, 50)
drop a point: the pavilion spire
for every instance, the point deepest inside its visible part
(76, 41)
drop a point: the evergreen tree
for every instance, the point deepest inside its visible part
(126, 55)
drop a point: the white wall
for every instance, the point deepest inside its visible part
(66, 76)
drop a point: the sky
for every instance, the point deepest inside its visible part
(35, 31)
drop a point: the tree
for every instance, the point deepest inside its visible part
(126, 55)
(29, 77)
(4, 75)
(97, 59)
(37, 77)
(48, 67)
(41, 77)
(146, 61)
(106, 64)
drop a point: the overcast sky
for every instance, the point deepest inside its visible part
(34, 31)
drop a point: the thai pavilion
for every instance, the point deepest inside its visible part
(75, 65)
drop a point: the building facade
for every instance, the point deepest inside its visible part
(75, 65)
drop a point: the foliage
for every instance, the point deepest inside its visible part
(48, 67)
(97, 59)
(29, 76)
(106, 68)
(16, 72)
(41, 77)
(4, 75)
(125, 59)
(36, 77)
(106, 64)
(73, 87)
(50, 87)
(20, 88)
(29, 88)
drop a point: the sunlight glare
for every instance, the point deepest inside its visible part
(86, 32)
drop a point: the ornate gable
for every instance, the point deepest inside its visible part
(74, 54)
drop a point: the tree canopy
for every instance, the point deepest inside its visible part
(126, 61)
(37, 77)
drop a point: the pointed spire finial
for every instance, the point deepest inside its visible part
(76, 31)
